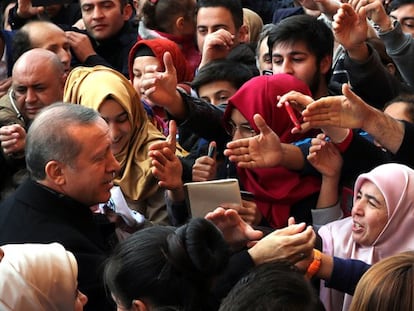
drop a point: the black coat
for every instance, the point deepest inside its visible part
(36, 214)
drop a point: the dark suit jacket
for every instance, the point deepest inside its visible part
(36, 214)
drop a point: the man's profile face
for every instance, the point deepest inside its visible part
(36, 85)
(89, 178)
(211, 19)
(103, 19)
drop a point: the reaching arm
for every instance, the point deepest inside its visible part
(350, 111)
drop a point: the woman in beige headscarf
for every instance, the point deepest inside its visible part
(110, 93)
(39, 277)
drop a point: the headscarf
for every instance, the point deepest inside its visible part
(275, 189)
(159, 46)
(254, 23)
(90, 86)
(37, 277)
(396, 183)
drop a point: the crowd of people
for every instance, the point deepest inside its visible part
(109, 107)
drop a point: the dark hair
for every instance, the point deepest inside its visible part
(49, 139)
(222, 70)
(272, 286)
(408, 99)
(20, 43)
(162, 14)
(234, 7)
(395, 4)
(164, 266)
(317, 36)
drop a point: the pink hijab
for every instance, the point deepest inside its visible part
(396, 183)
(275, 189)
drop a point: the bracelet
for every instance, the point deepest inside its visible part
(315, 265)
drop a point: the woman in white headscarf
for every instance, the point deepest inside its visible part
(39, 277)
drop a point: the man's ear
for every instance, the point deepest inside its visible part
(179, 23)
(244, 34)
(138, 305)
(55, 172)
(127, 11)
(325, 64)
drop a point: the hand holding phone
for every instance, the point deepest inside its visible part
(292, 115)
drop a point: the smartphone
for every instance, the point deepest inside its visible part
(48, 2)
(246, 195)
(211, 151)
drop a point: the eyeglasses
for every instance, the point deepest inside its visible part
(245, 130)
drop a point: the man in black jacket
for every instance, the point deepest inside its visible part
(72, 168)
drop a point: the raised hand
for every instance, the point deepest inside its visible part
(262, 150)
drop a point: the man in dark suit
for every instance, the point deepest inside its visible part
(72, 168)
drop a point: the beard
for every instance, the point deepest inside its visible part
(315, 82)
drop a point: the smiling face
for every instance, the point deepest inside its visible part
(120, 128)
(369, 214)
(89, 178)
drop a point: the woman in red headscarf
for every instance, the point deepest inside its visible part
(150, 52)
(279, 192)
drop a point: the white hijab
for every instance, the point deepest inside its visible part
(37, 277)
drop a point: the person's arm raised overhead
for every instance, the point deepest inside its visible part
(350, 29)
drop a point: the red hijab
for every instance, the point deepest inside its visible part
(275, 189)
(159, 46)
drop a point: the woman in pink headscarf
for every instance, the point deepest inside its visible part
(276, 190)
(380, 225)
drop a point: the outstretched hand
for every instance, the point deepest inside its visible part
(262, 150)
(348, 111)
(236, 232)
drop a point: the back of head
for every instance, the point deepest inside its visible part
(37, 277)
(222, 70)
(49, 138)
(254, 23)
(387, 285)
(272, 287)
(161, 14)
(163, 266)
(314, 33)
(233, 6)
(23, 41)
